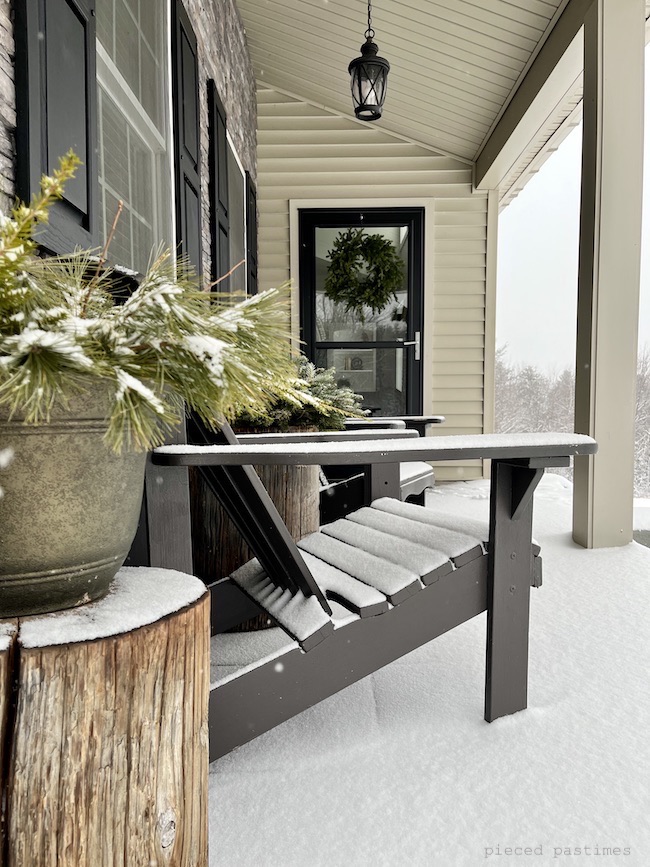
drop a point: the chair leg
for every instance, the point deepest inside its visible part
(510, 564)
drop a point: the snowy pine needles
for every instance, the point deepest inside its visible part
(62, 333)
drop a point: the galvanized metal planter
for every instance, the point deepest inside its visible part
(69, 512)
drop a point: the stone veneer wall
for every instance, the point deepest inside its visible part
(224, 57)
(7, 107)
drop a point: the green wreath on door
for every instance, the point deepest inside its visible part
(364, 271)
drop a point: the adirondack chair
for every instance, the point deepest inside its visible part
(404, 574)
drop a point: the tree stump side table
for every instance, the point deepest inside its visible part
(104, 728)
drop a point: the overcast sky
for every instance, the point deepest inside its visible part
(538, 260)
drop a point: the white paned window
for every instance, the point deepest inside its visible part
(237, 214)
(134, 127)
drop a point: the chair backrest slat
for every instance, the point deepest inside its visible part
(249, 506)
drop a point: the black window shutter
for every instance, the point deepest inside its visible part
(56, 102)
(251, 235)
(185, 78)
(218, 160)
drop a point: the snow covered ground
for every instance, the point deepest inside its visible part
(400, 769)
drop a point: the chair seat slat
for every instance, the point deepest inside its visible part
(415, 557)
(476, 529)
(450, 543)
(396, 582)
(362, 599)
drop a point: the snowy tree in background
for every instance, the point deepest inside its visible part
(527, 399)
(642, 436)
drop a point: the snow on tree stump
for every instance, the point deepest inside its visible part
(104, 728)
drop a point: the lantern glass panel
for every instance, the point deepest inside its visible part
(368, 85)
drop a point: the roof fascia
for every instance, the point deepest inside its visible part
(549, 78)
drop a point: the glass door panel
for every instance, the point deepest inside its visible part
(377, 374)
(335, 321)
(374, 351)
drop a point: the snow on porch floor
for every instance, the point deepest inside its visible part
(401, 770)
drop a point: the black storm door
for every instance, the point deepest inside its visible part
(376, 352)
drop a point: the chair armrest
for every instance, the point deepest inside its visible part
(419, 423)
(325, 436)
(540, 450)
(374, 424)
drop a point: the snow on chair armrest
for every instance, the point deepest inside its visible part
(542, 447)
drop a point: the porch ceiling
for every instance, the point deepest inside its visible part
(454, 63)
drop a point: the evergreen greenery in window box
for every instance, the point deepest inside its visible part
(321, 404)
(87, 386)
(364, 271)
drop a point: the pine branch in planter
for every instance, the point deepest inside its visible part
(169, 343)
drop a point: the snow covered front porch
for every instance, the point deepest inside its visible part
(400, 769)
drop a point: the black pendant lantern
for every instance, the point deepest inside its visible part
(369, 77)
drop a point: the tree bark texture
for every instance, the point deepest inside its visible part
(217, 546)
(106, 747)
(7, 640)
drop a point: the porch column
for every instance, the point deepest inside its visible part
(608, 282)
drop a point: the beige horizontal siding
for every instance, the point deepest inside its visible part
(355, 149)
(458, 412)
(461, 233)
(457, 395)
(325, 163)
(449, 472)
(458, 313)
(306, 153)
(460, 246)
(457, 329)
(362, 191)
(451, 301)
(458, 323)
(446, 341)
(460, 287)
(458, 368)
(443, 355)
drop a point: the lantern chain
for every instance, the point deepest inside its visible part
(370, 33)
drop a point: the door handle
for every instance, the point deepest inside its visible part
(415, 343)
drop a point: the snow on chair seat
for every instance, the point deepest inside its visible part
(395, 582)
(472, 527)
(458, 546)
(338, 586)
(435, 517)
(426, 562)
(303, 617)
(364, 561)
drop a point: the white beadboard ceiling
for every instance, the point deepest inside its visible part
(454, 63)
